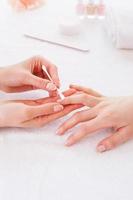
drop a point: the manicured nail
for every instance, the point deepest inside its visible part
(51, 87)
(101, 148)
(69, 142)
(59, 131)
(58, 108)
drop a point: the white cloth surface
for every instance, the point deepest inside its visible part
(34, 164)
(119, 26)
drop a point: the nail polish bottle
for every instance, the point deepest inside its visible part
(91, 9)
(101, 9)
(80, 8)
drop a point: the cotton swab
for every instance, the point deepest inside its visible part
(59, 92)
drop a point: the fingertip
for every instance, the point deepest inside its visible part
(70, 141)
(101, 148)
(58, 108)
(68, 144)
(104, 145)
(59, 131)
(51, 87)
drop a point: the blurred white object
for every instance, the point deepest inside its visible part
(71, 26)
(53, 36)
(119, 26)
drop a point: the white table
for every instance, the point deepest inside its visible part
(34, 164)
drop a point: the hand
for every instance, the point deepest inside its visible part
(28, 75)
(25, 4)
(105, 112)
(32, 113)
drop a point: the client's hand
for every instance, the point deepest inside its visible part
(105, 112)
(29, 75)
(33, 113)
(26, 4)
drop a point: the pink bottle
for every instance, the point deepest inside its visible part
(80, 8)
(101, 9)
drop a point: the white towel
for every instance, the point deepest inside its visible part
(119, 25)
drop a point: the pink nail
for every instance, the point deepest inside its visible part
(59, 131)
(101, 148)
(69, 142)
(51, 86)
(58, 108)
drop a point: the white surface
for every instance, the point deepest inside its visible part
(118, 24)
(34, 164)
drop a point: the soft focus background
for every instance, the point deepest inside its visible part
(34, 164)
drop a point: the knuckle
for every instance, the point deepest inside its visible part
(108, 115)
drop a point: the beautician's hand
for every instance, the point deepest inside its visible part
(28, 75)
(105, 112)
(33, 113)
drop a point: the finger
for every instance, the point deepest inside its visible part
(43, 120)
(68, 92)
(53, 71)
(17, 89)
(40, 83)
(77, 118)
(86, 90)
(44, 109)
(119, 137)
(83, 99)
(85, 129)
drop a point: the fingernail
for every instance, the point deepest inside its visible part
(101, 148)
(59, 131)
(58, 108)
(51, 87)
(69, 142)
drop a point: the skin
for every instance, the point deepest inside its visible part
(33, 113)
(26, 4)
(103, 112)
(28, 75)
(25, 76)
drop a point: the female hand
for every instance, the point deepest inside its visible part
(26, 4)
(33, 113)
(105, 112)
(28, 75)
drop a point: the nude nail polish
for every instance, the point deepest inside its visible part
(51, 87)
(69, 142)
(59, 131)
(58, 108)
(101, 148)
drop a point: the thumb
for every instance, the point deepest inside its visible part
(41, 83)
